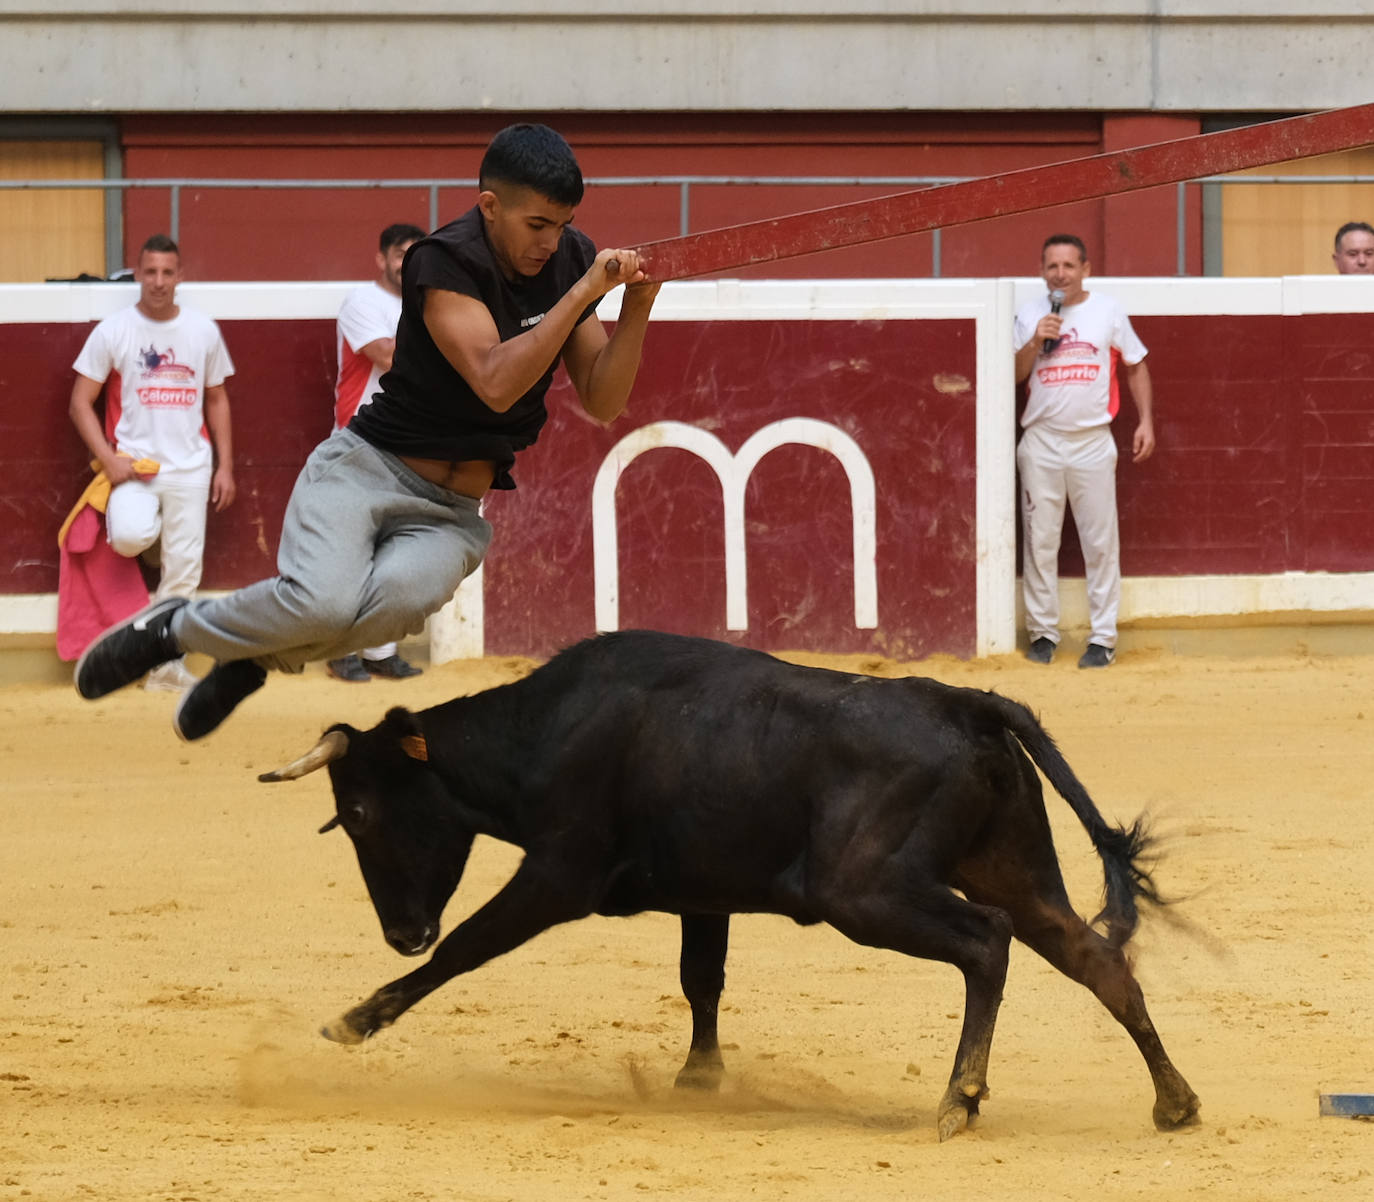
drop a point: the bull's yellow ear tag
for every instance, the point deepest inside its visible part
(415, 747)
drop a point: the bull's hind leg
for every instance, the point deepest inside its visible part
(705, 938)
(1083, 955)
(937, 924)
(1050, 927)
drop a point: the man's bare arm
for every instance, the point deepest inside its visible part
(222, 486)
(85, 393)
(380, 352)
(1143, 393)
(502, 372)
(603, 369)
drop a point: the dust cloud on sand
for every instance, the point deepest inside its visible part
(173, 934)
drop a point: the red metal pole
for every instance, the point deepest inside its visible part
(1014, 192)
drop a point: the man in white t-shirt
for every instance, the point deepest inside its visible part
(162, 368)
(1069, 343)
(366, 337)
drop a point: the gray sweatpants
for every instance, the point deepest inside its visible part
(1078, 468)
(368, 551)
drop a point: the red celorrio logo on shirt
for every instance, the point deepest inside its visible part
(1069, 346)
(163, 373)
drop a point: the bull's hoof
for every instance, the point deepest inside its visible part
(1182, 1112)
(343, 1031)
(953, 1120)
(702, 1077)
(959, 1110)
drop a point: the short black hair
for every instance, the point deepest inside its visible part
(398, 235)
(1351, 227)
(1065, 240)
(534, 157)
(160, 244)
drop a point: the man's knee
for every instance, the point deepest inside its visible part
(133, 520)
(330, 613)
(130, 541)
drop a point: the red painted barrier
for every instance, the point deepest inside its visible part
(1265, 466)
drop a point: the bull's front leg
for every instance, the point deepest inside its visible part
(530, 903)
(701, 969)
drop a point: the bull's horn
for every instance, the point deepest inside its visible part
(333, 745)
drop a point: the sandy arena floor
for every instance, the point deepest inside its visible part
(172, 933)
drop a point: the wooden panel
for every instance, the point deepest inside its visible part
(57, 233)
(1288, 229)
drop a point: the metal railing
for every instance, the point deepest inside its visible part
(683, 183)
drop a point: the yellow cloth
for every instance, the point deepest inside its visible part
(97, 494)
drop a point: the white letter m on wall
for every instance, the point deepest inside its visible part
(733, 472)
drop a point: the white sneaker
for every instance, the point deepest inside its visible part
(172, 677)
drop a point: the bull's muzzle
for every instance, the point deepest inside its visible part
(411, 943)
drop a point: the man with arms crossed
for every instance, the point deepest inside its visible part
(1066, 451)
(162, 367)
(366, 337)
(383, 523)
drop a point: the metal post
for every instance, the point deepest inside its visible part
(683, 222)
(174, 229)
(433, 207)
(1213, 247)
(936, 249)
(1182, 229)
(114, 208)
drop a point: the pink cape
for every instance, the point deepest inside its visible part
(96, 588)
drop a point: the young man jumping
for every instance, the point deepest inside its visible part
(383, 523)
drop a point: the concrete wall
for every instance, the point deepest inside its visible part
(96, 56)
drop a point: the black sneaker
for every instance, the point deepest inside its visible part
(393, 667)
(125, 652)
(349, 668)
(1041, 650)
(214, 698)
(1097, 656)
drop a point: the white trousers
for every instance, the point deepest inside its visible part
(141, 512)
(1078, 468)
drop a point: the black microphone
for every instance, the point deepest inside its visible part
(1056, 300)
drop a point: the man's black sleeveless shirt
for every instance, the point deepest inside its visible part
(425, 408)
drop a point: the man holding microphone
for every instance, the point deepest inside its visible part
(1069, 345)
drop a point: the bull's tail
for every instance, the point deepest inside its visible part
(1123, 850)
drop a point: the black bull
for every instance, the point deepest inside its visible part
(643, 771)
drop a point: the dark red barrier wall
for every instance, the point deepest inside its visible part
(1266, 448)
(1265, 465)
(733, 378)
(281, 394)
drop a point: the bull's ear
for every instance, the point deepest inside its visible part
(400, 721)
(405, 728)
